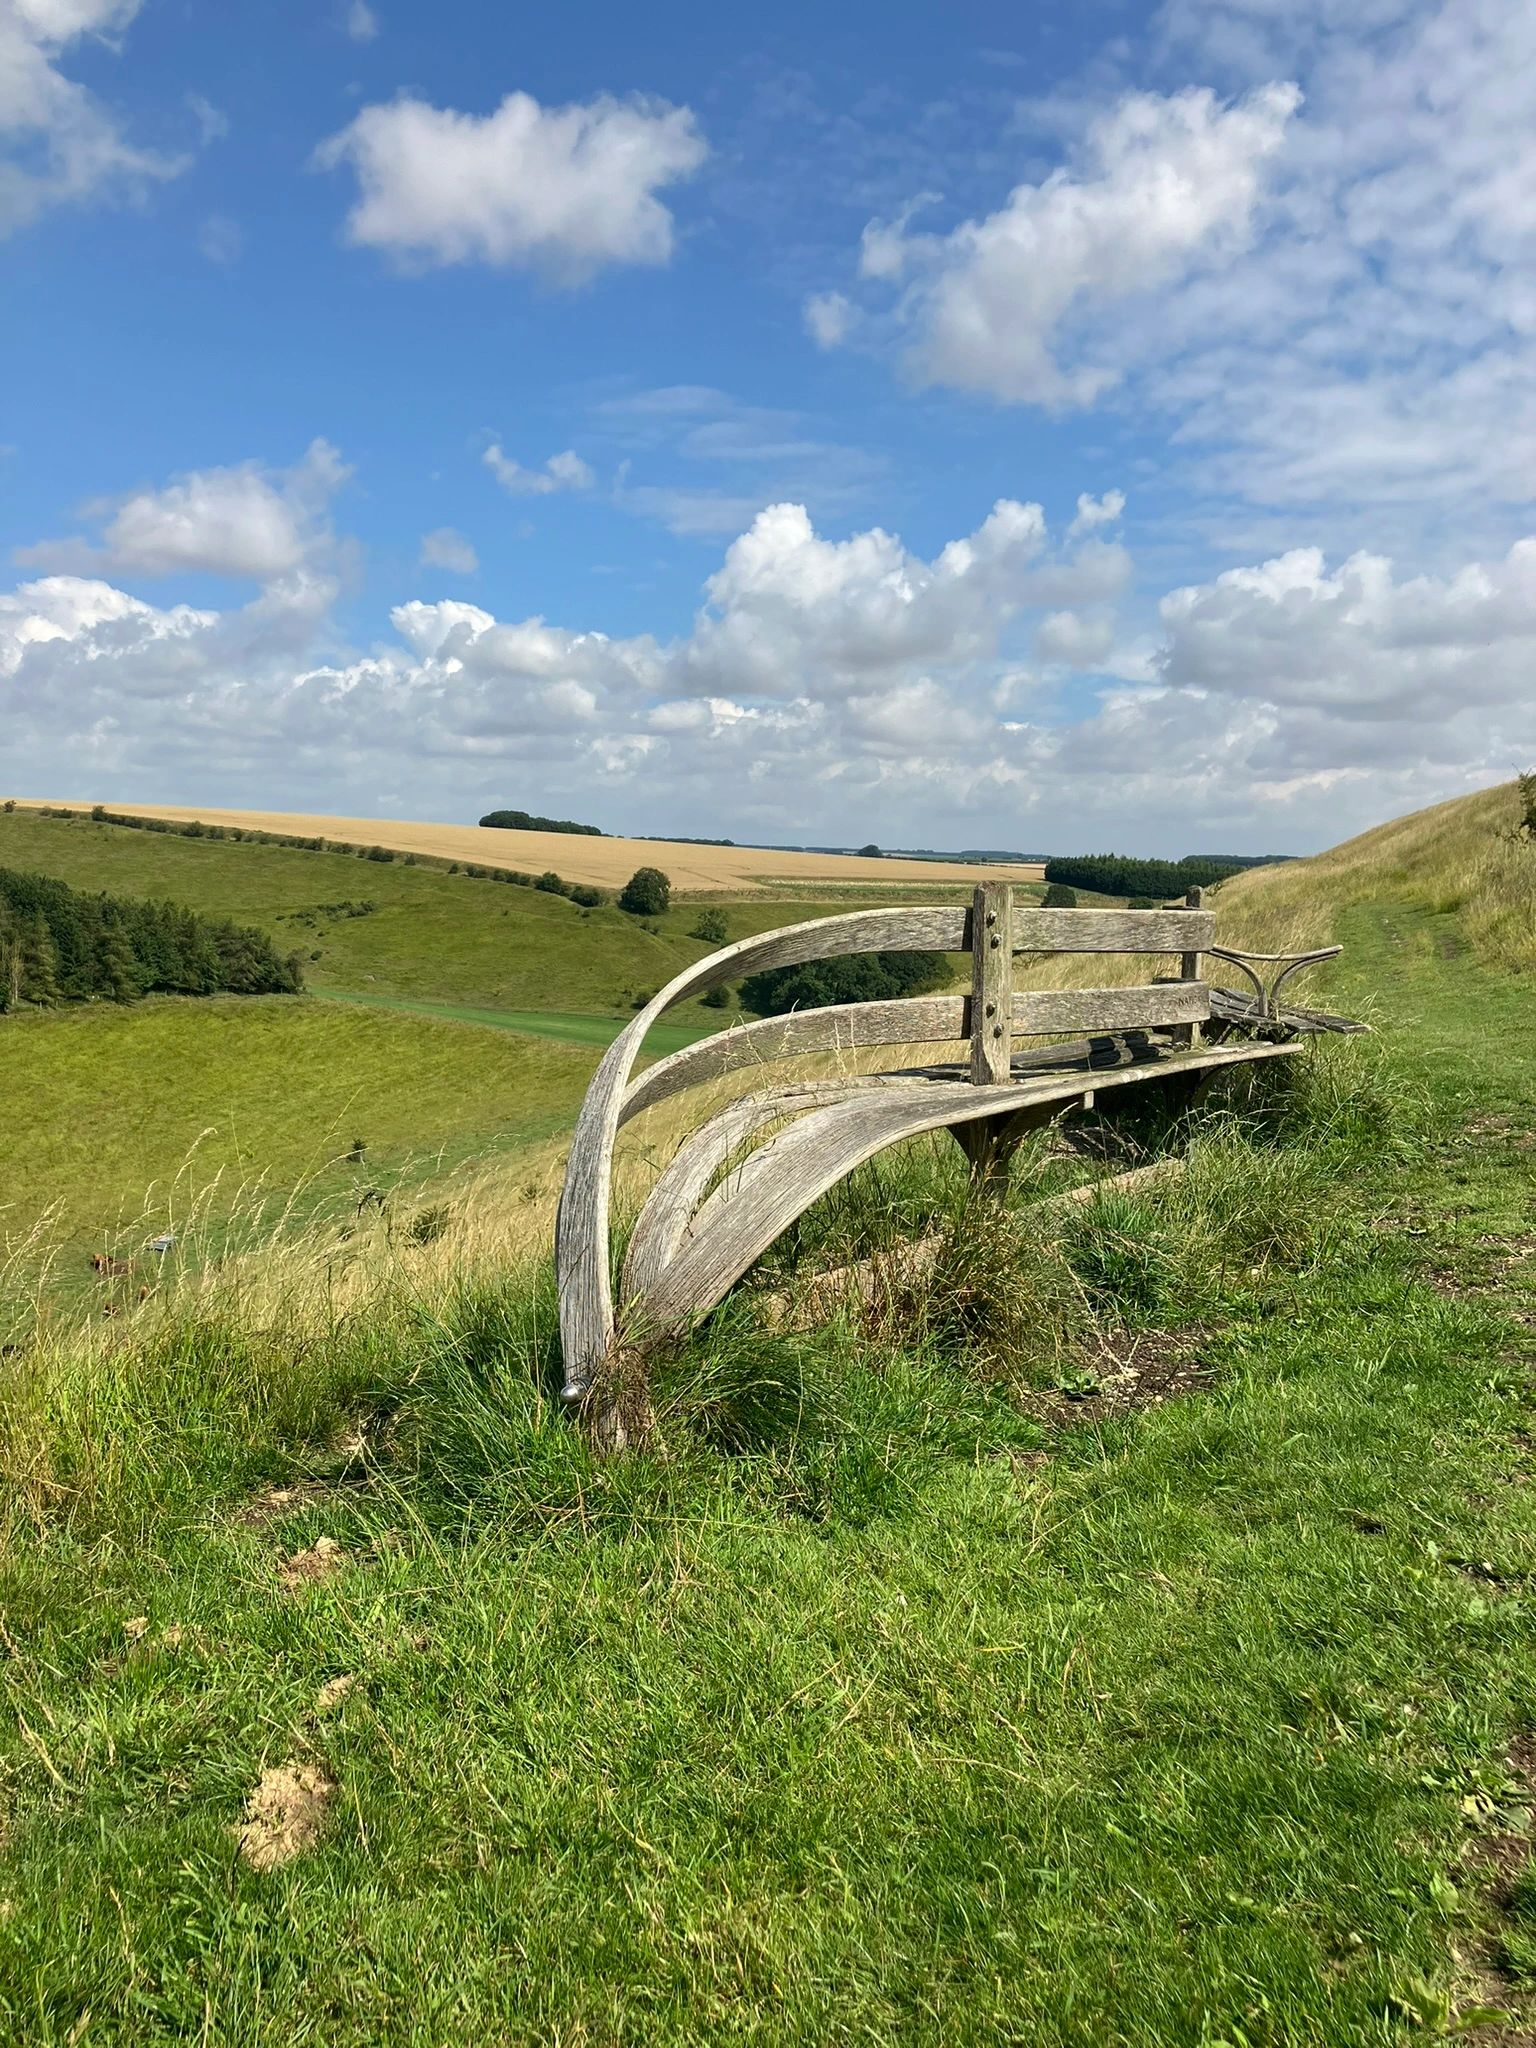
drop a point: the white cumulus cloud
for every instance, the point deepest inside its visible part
(563, 472)
(1162, 184)
(1092, 512)
(58, 143)
(825, 685)
(829, 318)
(245, 521)
(562, 190)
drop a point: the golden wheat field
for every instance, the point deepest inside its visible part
(606, 863)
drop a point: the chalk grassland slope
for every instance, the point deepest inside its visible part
(1461, 858)
(433, 937)
(607, 863)
(97, 1111)
(115, 1117)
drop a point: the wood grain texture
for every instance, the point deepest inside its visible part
(663, 1222)
(782, 1178)
(1044, 1012)
(582, 1230)
(991, 983)
(1112, 931)
(583, 1220)
(840, 1027)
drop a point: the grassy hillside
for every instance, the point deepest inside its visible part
(106, 1107)
(1461, 859)
(1128, 1643)
(433, 936)
(607, 862)
(112, 1101)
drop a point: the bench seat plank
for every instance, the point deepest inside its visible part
(779, 1181)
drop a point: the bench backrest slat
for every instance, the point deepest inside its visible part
(914, 1020)
(840, 1027)
(1112, 931)
(1047, 1012)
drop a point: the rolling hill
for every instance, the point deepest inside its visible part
(606, 863)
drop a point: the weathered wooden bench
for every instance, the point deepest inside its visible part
(718, 1206)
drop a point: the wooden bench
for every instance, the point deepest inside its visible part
(703, 1226)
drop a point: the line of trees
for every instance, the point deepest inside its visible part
(525, 821)
(1121, 874)
(853, 978)
(61, 945)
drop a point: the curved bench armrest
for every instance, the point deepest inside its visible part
(1294, 962)
(582, 1223)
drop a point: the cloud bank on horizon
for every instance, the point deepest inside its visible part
(1146, 460)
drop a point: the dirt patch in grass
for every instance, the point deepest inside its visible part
(324, 1558)
(274, 1502)
(285, 1815)
(1496, 1865)
(1122, 1372)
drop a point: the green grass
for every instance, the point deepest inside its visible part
(112, 1103)
(878, 1710)
(113, 1100)
(535, 1023)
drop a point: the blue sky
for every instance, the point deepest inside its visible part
(1105, 425)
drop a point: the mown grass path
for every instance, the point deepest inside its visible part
(877, 1712)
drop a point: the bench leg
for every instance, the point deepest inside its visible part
(989, 1143)
(617, 1411)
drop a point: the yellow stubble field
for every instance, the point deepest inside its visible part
(605, 863)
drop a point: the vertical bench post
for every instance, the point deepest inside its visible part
(991, 983)
(989, 1145)
(1189, 963)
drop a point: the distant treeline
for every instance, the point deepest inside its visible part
(578, 892)
(1120, 874)
(853, 978)
(525, 821)
(59, 945)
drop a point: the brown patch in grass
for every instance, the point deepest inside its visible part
(324, 1558)
(273, 1502)
(1121, 1372)
(333, 1692)
(285, 1815)
(1496, 1864)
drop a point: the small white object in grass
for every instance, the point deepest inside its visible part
(162, 1244)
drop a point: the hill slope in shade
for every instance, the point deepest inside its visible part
(607, 863)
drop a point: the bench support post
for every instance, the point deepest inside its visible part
(1189, 963)
(990, 1145)
(991, 984)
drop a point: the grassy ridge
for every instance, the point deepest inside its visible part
(105, 1107)
(436, 937)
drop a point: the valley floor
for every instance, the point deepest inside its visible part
(883, 1710)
